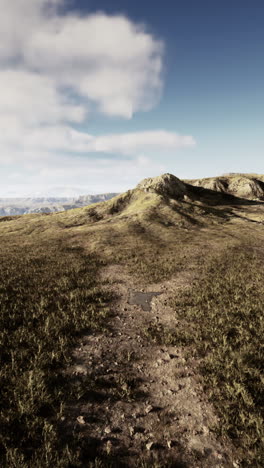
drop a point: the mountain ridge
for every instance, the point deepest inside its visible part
(248, 186)
(29, 205)
(243, 186)
(74, 285)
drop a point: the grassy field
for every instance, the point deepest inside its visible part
(49, 297)
(225, 312)
(221, 324)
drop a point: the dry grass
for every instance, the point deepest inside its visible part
(50, 296)
(221, 323)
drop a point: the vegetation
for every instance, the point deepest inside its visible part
(223, 314)
(221, 323)
(48, 298)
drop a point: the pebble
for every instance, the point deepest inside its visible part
(149, 445)
(108, 447)
(80, 420)
(205, 430)
(108, 429)
(81, 370)
(148, 409)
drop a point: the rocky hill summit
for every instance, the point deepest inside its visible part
(231, 189)
(166, 185)
(248, 186)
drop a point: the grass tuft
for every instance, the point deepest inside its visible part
(224, 316)
(49, 297)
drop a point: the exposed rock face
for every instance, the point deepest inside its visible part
(216, 184)
(84, 200)
(166, 185)
(240, 185)
(246, 188)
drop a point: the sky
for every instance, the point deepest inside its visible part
(97, 95)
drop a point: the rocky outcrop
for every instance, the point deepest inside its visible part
(166, 185)
(239, 185)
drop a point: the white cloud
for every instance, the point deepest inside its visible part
(66, 139)
(33, 99)
(106, 59)
(131, 143)
(56, 69)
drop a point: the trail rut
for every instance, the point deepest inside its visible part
(150, 409)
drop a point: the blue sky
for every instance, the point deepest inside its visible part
(179, 89)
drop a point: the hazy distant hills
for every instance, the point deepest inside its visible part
(247, 186)
(19, 206)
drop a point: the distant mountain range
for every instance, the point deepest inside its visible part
(247, 186)
(19, 206)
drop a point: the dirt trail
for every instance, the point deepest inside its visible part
(151, 407)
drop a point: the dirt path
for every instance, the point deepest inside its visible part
(148, 407)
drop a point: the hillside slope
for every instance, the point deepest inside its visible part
(249, 186)
(131, 331)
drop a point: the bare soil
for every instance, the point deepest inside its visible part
(150, 409)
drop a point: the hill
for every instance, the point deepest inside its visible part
(131, 331)
(249, 186)
(19, 206)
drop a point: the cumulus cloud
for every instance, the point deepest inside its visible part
(57, 68)
(69, 140)
(33, 99)
(105, 59)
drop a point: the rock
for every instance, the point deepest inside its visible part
(149, 445)
(148, 409)
(205, 430)
(107, 430)
(108, 447)
(166, 357)
(80, 370)
(80, 420)
(166, 184)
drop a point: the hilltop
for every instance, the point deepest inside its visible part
(131, 330)
(249, 186)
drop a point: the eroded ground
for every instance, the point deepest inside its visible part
(159, 412)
